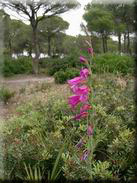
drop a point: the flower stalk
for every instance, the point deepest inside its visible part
(83, 95)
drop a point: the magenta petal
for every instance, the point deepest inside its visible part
(82, 59)
(76, 81)
(85, 155)
(84, 98)
(84, 73)
(74, 100)
(85, 107)
(79, 144)
(90, 130)
(81, 115)
(74, 88)
(90, 50)
(84, 90)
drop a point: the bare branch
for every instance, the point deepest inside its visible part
(38, 7)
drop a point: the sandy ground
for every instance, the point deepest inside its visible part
(16, 84)
(28, 88)
(23, 81)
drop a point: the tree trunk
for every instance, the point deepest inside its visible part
(103, 44)
(128, 43)
(49, 46)
(125, 43)
(10, 48)
(119, 43)
(36, 50)
(106, 46)
(30, 52)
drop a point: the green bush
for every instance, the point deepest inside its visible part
(5, 95)
(17, 66)
(113, 64)
(57, 65)
(103, 63)
(33, 137)
(53, 65)
(62, 76)
(122, 151)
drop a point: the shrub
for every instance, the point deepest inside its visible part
(103, 63)
(53, 65)
(113, 63)
(122, 151)
(33, 137)
(5, 95)
(17, 66)
(62, 76)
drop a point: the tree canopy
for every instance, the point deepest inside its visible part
(31, 9)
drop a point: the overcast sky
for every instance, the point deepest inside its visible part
(74, 17)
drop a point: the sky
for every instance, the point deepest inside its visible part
(74, 17)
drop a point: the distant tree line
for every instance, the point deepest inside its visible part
(18, 36)
(30, 9)
(46, 33)
(104, 20)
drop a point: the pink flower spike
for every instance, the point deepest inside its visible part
(81, 115)
(84, 90)
(90, 51)
(83, 59)
(74, 100)
(84, 73)
(85, 107)
(76, 81)
(90, 130)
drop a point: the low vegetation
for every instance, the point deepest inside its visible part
(5, 95)
(35, 134)
(22, 65)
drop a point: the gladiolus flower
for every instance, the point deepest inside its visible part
(85, 155)
(81, 115)
(85, 107)
(74, 88)
(90, 130)
(79, 144)
(84, 98)
(83, 59)
(74, 100)
(84, 73)
(84, 90)
(76, 81)
(90, 51)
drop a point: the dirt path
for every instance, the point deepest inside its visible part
(20, 81)
(17, 83)
(29, 80)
